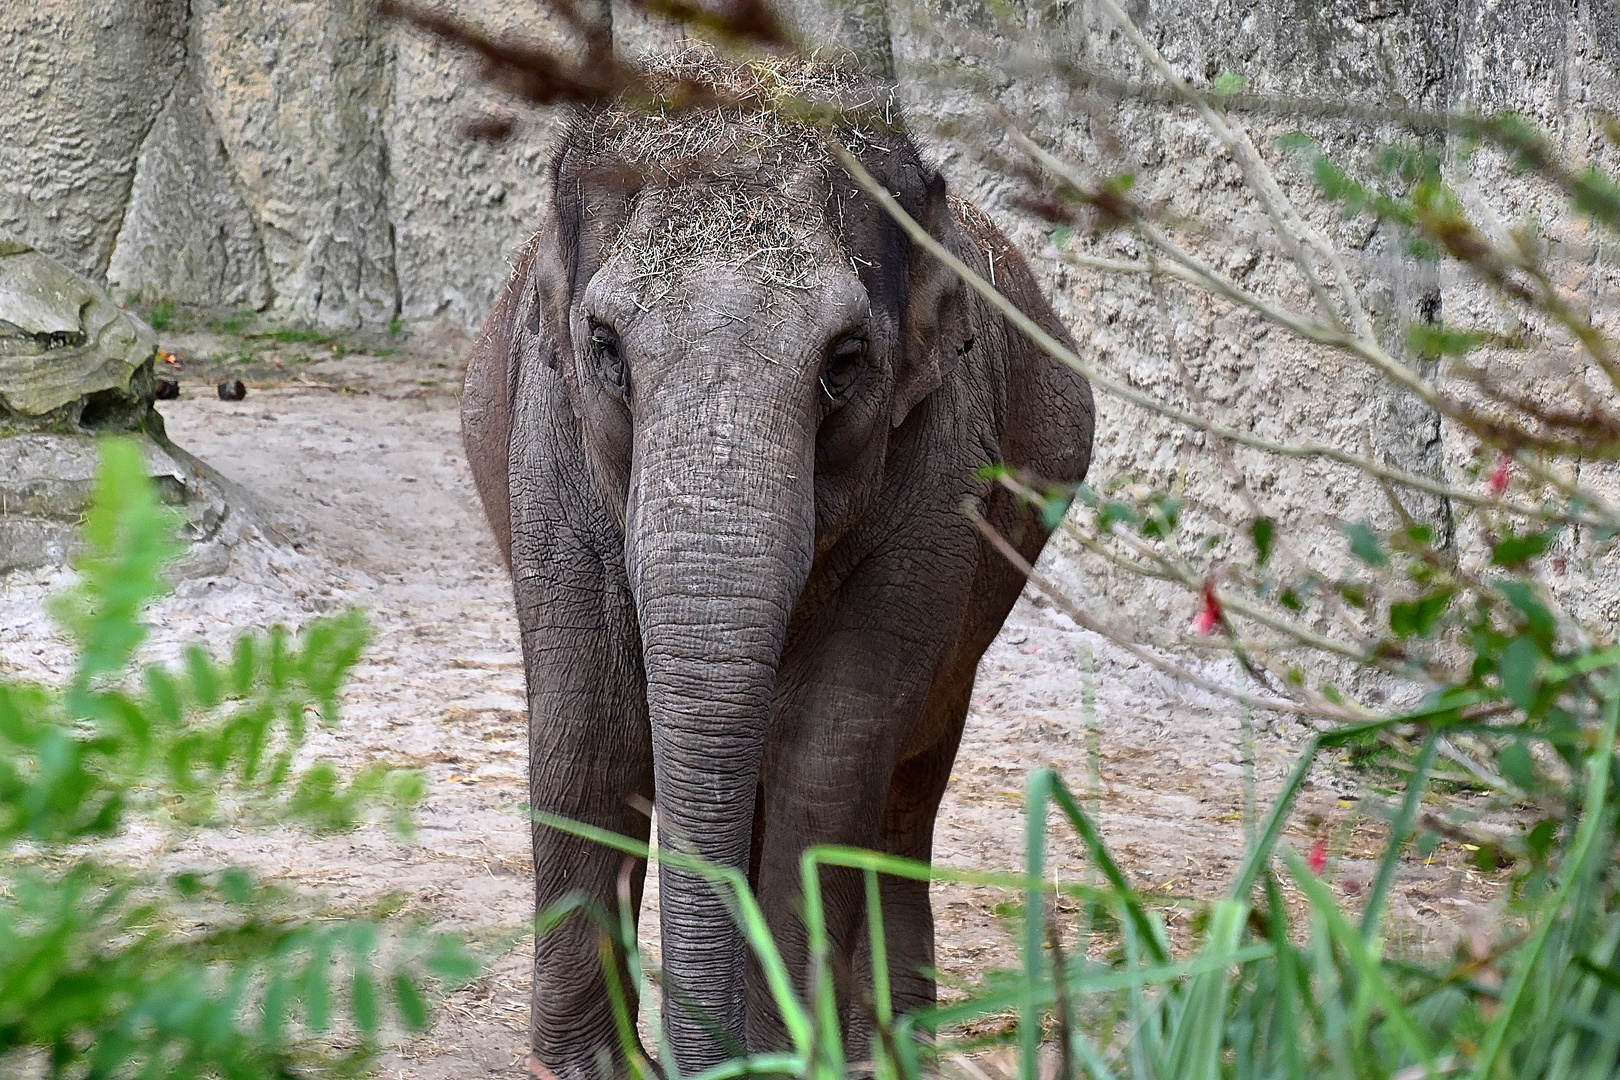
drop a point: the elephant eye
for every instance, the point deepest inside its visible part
(609, 361)
(841, 369)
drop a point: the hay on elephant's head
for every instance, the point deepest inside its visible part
(734, 155)
(758, 113)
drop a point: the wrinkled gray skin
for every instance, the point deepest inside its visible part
(749, 599)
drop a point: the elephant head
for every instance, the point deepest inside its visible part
(742, 331)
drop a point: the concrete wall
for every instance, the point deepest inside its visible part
(1557, 64)
(301, 157)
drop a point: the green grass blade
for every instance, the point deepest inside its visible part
(1372, 986)
(733, 888)
(1399, 830)
(1195, 1047)
(1134, 910)
(754, 1065)
(1254, 863)
(882, 1002)
(1286, 1025)
(825, 1049)
(1091, 983)
(1037, 796)
(1597, 788)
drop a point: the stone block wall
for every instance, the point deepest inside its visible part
(1556, 65)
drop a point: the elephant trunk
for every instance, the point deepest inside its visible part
(719, 540)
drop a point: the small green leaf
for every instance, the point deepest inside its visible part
(317, 989)
(1539, 840)
(1432, 340)
(1112, 513)
(1061, 235)
(450, 962)
(1262, 529)
(1416, 618)
(1055, 507)
(236, 886)
(162, 695)
(1517, 765)
(1514, 550)
(1365, 544)
(1522, 595)
(1598, 197)
(363, 1003)
(1227, 83)
(1517, 669)
(1297, 142)
(242, 664)
(1161, 522)
(204, 682)
(993, 472)
(413, 1011)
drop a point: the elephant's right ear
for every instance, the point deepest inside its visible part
(486, 398)
(528, 327)
(935, 331)
(589, 205)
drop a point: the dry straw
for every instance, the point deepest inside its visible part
(740, 180)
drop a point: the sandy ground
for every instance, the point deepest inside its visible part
(356, 461)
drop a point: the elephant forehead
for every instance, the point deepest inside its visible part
(777, 237)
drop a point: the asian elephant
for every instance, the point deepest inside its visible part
(724, 421)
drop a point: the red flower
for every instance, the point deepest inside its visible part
(1497, 482)
(1317, 859)
(1209, 614)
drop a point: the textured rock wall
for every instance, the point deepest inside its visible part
(83, 82)
(299, 94)
(460, 206)
(299, 157)
(303, 158)
(1208, 356)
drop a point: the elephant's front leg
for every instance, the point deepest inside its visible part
(589, 758)
(590, 749)
(835, 742)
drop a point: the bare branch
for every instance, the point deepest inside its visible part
(1324, 708)
(1126, 392)
(1293, 230)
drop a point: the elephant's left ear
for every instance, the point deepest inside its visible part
(935, 328)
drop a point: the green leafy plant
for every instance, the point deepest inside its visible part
(109, 969)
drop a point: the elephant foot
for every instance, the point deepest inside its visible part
(538, 1068)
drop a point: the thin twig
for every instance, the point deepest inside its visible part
(1079, 616)
(1125, 392)
(1292, 229)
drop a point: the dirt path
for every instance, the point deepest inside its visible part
(369, 485)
